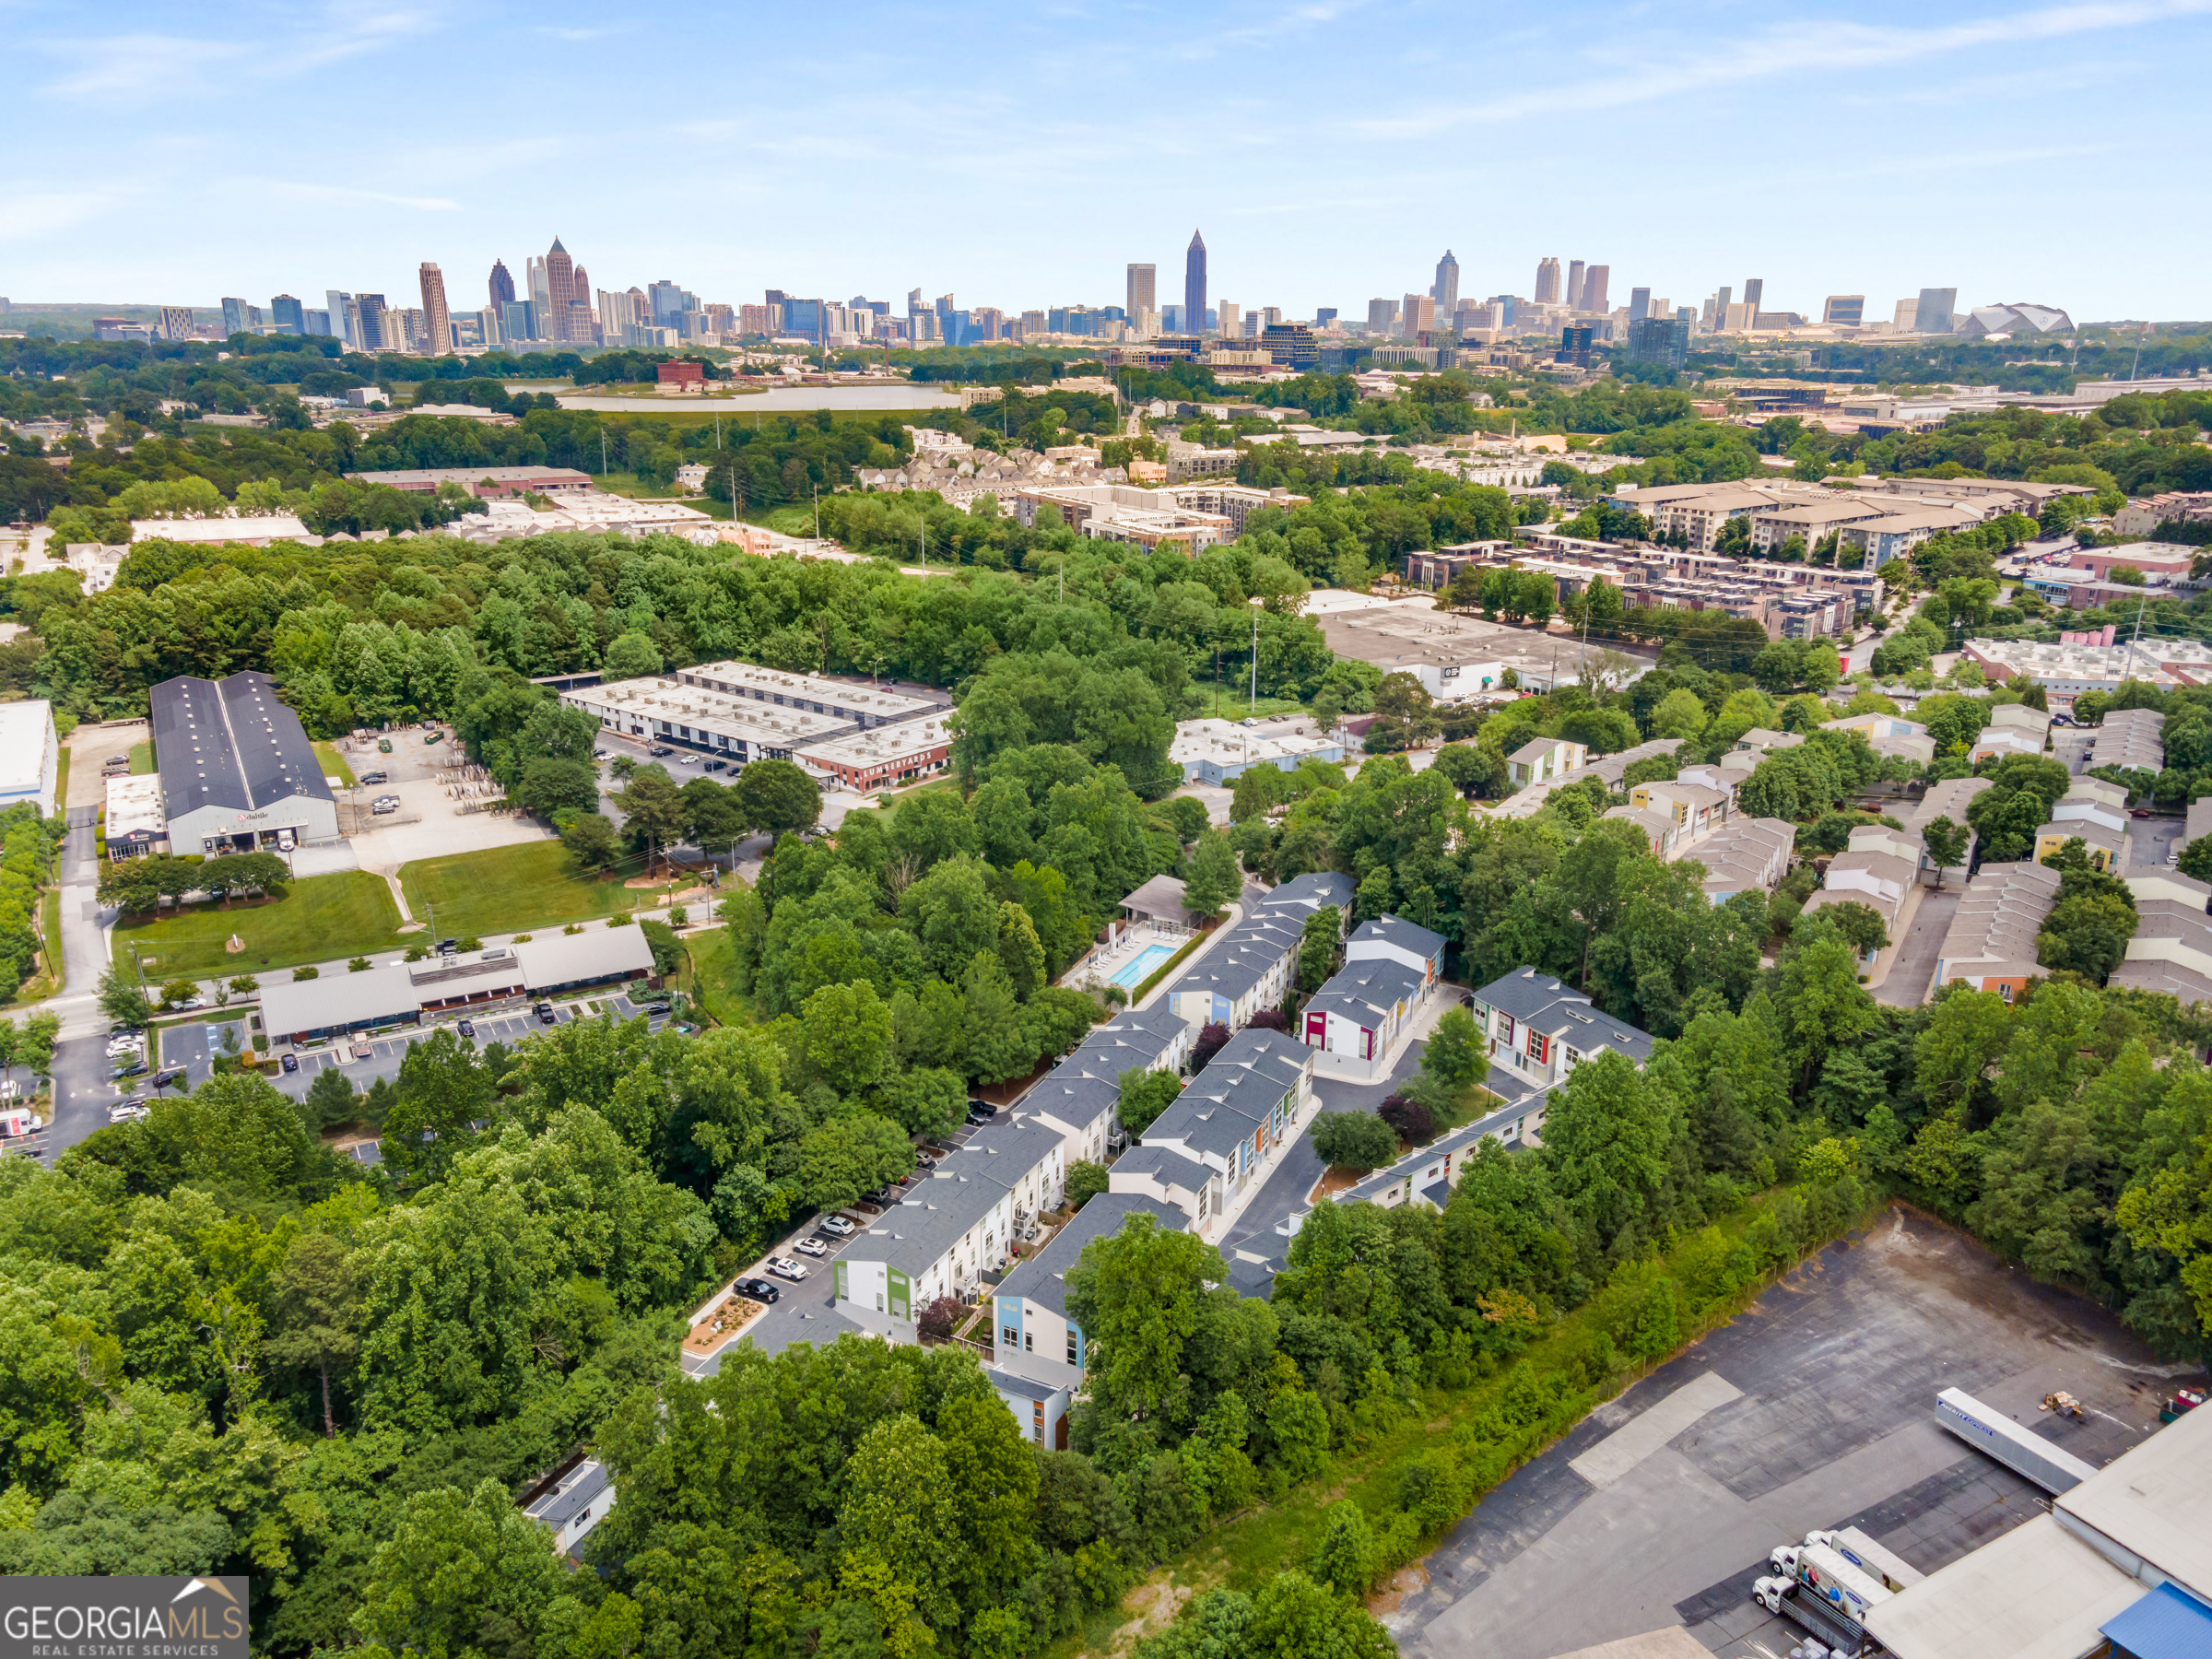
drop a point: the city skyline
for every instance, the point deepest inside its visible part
(142, 206)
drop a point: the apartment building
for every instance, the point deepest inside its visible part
(1888, 735)
(2094, 812)
(1223, 1135)
(2013, 729)
(2172, 950)
(1879, 869)
(1360, 1020)
(1537, 1031)
(1991, 944)
(1252, 962)
(2132, 738)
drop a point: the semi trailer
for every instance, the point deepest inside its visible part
(1819, 1587)
(2054, 1468)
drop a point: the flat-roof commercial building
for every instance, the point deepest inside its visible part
(1220, 751)
(881, 757)
(256, 530)
(137, 823)
(864, 706)
(486, 483)
(237, 773)
(663, 708)
(30, 755)
(402, 992)
(2069, 670)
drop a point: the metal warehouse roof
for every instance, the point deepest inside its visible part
(231, 742)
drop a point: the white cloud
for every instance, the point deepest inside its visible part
(1791, 49)
(299, 191)
(149, 65)
(29, 216)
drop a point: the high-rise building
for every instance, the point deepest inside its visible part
(1659, 340)
(1594, 290)
(1547, 281)
(666, 301)
(338, 302)
(1445, 290)
(1720, 306)
(285, 312)
(1290, 344)
(1232, 319)
(1193, 285)
(1844, 310)
(175, 322)
(518, 321)
(1323, 315)
(1932, 315)
(1574, 346)
(560, 290)
(240, 317)
(616, 317)
(1755, 289)
(1419, 315)
(1171, 319)
(501, 285)
(369, 318)
(1640, 305)
(1143, 288)
(437, 321)
(1381, 316)
(1573, 297)
(913, 303)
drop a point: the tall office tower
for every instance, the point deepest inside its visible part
(175, 322)
(561, 290)
(1143, 288)
(518, 321)
(1193, 285)
(1933, 313)
(285, 312)
(1419, 315)
(1381, 316)
(337, 301)
(1323, 315)
(580, 285)
(239, 316)
(1233, 320)
(1445, 290)
(492, 328)
(913, 301)
(436, 320)
(1755, 288)
(1547, 281)
(1572, 297)
(1844, 310)
(1640, 304)
(666, 301)
(1594, 289)
(1720, 306)
(501, 285)
(616, 318)
(369, 318)
(1171, 319)
(541, 292)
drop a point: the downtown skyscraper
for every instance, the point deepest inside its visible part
(436, 320)
(1194, 286)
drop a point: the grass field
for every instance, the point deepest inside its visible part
(509, 890)
(318, 918)
(142, 758)
(47, 978)
(708, 979)
(61, 783)
(332, 767)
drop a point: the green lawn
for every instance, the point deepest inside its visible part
(326, 756)
(47, 978)
(707, 980)
(61, 783)
(319, 919)
(509, 890)
(142, 758)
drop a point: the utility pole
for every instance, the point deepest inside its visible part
(1254, 709)
(2132, 638)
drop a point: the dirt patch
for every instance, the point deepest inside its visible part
(1406, 1581)
(1155, 1603)
(1333, 1181)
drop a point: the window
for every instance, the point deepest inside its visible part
(1029, 1343)
(1012, 1333)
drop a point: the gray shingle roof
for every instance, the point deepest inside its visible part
(1369, 988)
(231, 742)
(1411, 935)
(1235, 1094)
(1537, 999)
(1024, 1388)
(1042, 1278)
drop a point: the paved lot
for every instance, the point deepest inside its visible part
(384, 844)
(1815, 1409)
(1910, 976)
(509, 1026)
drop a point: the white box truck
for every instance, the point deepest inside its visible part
(1885, 1565)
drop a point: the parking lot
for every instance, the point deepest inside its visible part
(803, 1312)
(1814, 1409)
(508, 1023)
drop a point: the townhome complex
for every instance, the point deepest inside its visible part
(1216, 1141)
(1253, 963)
(1537, 1030)
(1360, 1019)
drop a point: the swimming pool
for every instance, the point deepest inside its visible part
(1141, 968)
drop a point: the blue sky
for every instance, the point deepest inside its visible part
(1022, 155)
